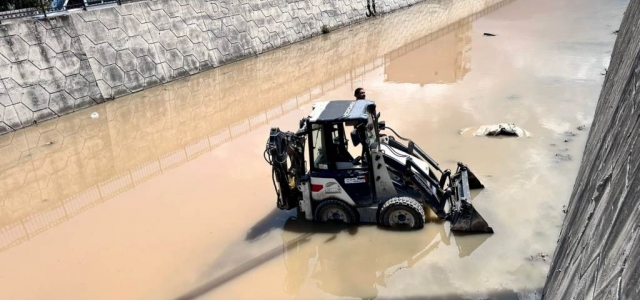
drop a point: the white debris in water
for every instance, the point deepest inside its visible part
(502, 129)
(463, 130)
(94, 115)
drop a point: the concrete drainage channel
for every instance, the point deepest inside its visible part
(63, 64)
(53, 67)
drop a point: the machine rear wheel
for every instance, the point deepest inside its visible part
(335, 211)
(402, 212)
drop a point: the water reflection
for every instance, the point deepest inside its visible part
(312, 252)
(444, 59)
(58, 169)
(371, 259)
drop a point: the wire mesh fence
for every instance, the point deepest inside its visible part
(19, 13)
(16, 9)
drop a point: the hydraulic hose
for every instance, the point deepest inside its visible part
(279, 147)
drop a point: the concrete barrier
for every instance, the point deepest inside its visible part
(598, 253)
(52, 67)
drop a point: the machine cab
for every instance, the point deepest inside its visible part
(336, 172)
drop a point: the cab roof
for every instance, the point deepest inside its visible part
(340, 111)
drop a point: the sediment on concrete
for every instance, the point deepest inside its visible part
(598, 253)
(52, 67)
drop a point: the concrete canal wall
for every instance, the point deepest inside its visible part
(56, 66)
(598, 253)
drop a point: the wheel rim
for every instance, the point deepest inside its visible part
(334, 214)
(401, 218)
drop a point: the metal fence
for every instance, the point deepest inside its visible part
(19, 13)
(16, 9)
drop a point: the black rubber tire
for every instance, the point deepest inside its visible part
(335, 204)
(300, 215)
(402, 204)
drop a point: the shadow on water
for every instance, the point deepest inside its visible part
(314, 251)
(273, 220)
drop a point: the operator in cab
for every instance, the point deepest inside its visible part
(360, 94)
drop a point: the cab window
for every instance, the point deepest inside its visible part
(319, 149)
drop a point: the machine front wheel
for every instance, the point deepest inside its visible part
(402, 212)
(335, 211)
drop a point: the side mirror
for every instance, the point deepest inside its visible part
(355, 138)
(381, 125)
(303, 128)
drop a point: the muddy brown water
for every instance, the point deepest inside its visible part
(166, 194)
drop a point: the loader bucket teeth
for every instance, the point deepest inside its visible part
(469, 220)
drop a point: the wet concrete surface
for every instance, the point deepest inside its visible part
(597, 255)
(166, 194)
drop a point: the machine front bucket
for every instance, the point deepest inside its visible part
(474, 182)
(464, 217)
(469, 220)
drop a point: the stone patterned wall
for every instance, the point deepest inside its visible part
(136, 46)
(44, 73)
(54, 67)
(598, 254)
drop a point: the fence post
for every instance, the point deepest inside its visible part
(44, 11)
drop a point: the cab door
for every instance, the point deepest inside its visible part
(333, 174)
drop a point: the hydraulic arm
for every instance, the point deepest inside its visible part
(284, 148)
(461, 213)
